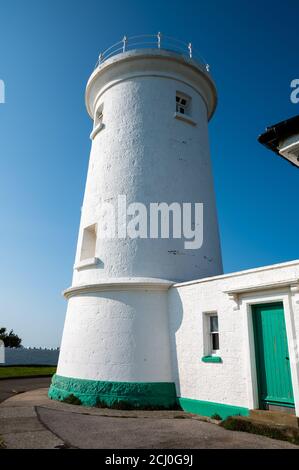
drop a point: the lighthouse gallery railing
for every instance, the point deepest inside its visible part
(153, 41)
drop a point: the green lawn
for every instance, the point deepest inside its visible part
(7, 372)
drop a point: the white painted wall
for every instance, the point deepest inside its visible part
(144, 152)
(232, 382)
(118, 336)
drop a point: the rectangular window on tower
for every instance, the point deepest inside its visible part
(183, 103)
(88, 248)
(98, 124)
(99, 116)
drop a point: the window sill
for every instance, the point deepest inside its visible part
(215, 359)
(86, 263)
(185, 118)
(96, 130)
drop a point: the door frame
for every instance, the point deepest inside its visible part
(254, 298)
(262, 348)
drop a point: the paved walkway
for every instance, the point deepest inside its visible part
(32, 420)
(11, 387)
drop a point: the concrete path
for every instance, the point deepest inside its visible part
(11, 387)
(32, 421)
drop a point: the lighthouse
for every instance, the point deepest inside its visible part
(150, 108)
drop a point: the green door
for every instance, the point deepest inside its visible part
(272, 356)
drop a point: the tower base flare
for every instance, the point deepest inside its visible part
(139, 395)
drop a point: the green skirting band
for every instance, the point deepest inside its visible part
(93, 392)
(136, 394)
(209, 408)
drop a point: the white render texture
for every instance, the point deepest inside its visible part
(141, 150)
(121, 336)
(145, 153)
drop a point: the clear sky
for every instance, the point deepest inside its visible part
(48, 50)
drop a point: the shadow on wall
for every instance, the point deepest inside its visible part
(175, 315)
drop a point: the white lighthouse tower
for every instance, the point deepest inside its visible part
(150, 108)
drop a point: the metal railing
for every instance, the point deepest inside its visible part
(153, 41)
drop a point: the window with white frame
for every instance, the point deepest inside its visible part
(214, 333)
(182, 103)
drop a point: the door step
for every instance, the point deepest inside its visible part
(274, 417)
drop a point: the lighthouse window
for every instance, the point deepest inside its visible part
(99, 116)
(98, 124)
(182, 103)
(89, 242)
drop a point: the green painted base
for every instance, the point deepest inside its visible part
(136, 394)
(209, 408)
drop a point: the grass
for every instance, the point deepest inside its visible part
(10, 372)
(283, 433)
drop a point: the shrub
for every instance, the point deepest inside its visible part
(216, 416)
(282, 433)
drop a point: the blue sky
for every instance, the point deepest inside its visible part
(48, 50)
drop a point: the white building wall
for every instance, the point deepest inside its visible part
(117, 336)
(231, 382)
(144, 152)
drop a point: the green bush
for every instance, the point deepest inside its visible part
(216, 416)
(283, 433)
